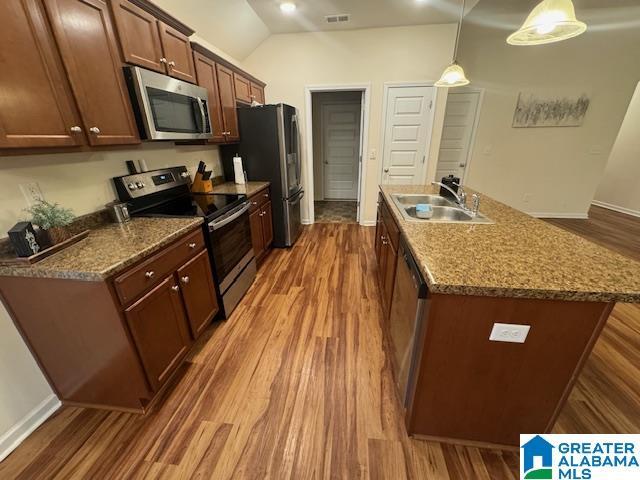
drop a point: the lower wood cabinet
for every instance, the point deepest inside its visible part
(159, 328)
(386, 247)
(115, 343)
(195, 281)
(261, 219)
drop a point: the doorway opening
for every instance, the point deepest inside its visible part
(336, 135)
(336, 123)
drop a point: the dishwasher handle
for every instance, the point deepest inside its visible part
(418, 282)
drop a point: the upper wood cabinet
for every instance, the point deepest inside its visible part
(257, 93)
(151, 43)
(207, 77)
(36, 105)
(228, 103)
(90, 55)
(242, 88)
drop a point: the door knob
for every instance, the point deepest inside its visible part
(95, 130)
(386, 170)
(175, 288)
(76, 129)
(185, 279)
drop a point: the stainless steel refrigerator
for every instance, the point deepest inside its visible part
(270, 150)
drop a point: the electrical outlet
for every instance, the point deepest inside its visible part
(373, 154)
(31, 192)
(506, 332)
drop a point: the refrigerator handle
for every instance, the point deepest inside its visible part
(295, 134)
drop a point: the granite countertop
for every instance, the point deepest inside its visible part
(248, 189)
(517, 256)
(108, 249)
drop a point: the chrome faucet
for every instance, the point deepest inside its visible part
(475, 204)
(461, 198)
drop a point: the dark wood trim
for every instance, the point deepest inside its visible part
(196, 47)
(164, 16)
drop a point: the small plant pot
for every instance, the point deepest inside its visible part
(58, 235)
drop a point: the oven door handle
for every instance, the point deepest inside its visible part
(217, 224)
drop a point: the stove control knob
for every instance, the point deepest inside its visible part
(139, 184)
(132, 186)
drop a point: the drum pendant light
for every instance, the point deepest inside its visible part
(550, 21)
(453, 75)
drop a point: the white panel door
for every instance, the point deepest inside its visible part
(459, 122)
(341, 150)
(407, 134)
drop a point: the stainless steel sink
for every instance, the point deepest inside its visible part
(444, 210)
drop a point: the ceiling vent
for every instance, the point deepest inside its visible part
(342, 18)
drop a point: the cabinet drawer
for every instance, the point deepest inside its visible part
(392, 229)
(144, 276)
(259, 199)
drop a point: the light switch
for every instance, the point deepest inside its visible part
(373, 154)
(508, 332)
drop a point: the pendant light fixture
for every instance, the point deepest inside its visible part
(453, 75)
(550, 21)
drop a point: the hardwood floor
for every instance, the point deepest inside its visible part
(296, 384)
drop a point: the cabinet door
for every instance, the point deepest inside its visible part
(36, 105)
(159, 330)
(267, 224)
(207, 78)
(228, 102)
(379, 237)
(198, 292)
(90, 54)
(257, 93)
(242, 88)
(139, 36)
(177, 51)
(257, 234)
(389, 275)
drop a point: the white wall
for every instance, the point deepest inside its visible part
(232, 27)
(80, 181)
(289, 62)
(620, 186)
(549, 171)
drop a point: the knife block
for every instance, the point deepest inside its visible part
(201, 186)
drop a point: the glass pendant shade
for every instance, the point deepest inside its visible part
(550, 21)
(453, 76)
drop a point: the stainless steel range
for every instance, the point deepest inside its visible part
(226, 225)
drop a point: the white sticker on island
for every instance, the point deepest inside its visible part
(508, 332)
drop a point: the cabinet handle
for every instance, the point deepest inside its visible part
(95, 130)
(76, 129)
(254, 203)
(185, 279)
(172, 64)
(163, 60)
(192, 246)
(149, 274)
(175, 288)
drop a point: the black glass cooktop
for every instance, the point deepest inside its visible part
(195, 205)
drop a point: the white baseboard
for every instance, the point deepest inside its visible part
(616, 208)
(579, 216)
(306, 221)
(368, 223)
(10, 440)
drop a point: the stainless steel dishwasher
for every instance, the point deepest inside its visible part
(406, 320)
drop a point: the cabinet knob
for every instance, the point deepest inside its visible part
(149, 274)
(95, 130)
(185, 279)
(76, 129)
(254, 203)
(172, 63)
(266, 195)
(163, 60)
(192, 245)
(175, 288)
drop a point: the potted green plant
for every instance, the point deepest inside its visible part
(51, 218)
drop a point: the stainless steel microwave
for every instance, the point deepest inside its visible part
(167, 108)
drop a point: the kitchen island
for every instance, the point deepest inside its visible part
(456, 383)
